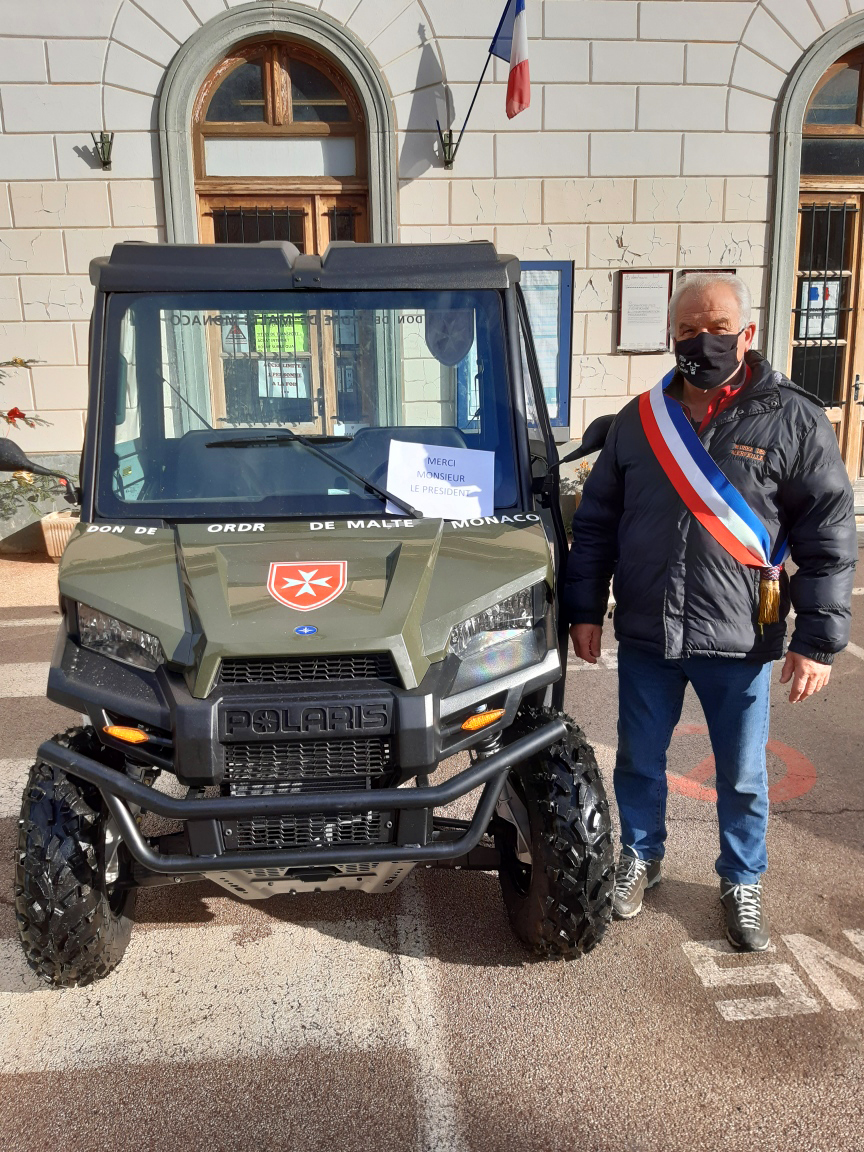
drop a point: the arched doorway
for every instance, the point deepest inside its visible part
(826, 354)
(279, 143)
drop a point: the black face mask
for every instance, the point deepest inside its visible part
(708, 359)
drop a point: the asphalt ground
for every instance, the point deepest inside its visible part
(415, 1020)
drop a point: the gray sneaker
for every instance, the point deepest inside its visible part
(632, 879)
(745, 921)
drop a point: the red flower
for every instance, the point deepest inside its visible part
(16, 414)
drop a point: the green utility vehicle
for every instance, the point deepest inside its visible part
(318, 555)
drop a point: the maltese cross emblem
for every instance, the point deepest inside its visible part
(307, 585)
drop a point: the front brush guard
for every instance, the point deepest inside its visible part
(119, 792)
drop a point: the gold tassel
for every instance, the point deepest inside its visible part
(769, 596)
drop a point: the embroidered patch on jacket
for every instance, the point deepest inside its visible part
(748, 452)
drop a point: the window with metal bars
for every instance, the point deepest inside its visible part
(821, 324)
(240, 225)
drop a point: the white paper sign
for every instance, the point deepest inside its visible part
(453, 483)
(644, 302)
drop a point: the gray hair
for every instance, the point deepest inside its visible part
(698, 281)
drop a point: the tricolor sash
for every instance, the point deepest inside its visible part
(710, 497)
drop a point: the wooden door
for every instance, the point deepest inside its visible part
(309, 222)
(827, 347)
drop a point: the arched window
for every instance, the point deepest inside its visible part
(280, 150)
(827, 347)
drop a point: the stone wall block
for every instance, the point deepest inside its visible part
(682, 198)
(52, 343)
(136, 30)
(749, 113)
(694, 20)
(589, 107)
(699, 107)
(718, 154)
(60, 387)
(5, 207)
(59, 203)
(765, 36)
(601, 331)
(464, 58)
(129, 70)
(552, 61)
(830, 12)
(57, 297)
(595, 406)
(133, 111)
(135, 155)
(754, 74)
(177, 19)
(638, 62)
(443, 234)
(51, 107)
(542, 154)
(136, 203)
(591, 19)
(647, 369)
(371, 17)
(417, 69)
(65, 433)
(588, 200)
(425, 202)
(593, 290)
(91, 19)
(544, 241)
(418, 156)
(81, 333)
(22, 60)
(16, 391)
(76, 61)
(632, 245)
(10, 299)
(747, 198)
(409, 30)
(339, 9)
(635, 154)
(206, 9)
(27, 158)
(458, 18)
(709, 63)
(31, 250)
(84, 244)
(723, 245)
(798, 19)
(496, 202)
(600, 376)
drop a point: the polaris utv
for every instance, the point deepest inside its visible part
(318, 556)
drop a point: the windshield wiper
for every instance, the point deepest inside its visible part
(286, 434)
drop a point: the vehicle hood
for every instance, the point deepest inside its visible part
(203, 588)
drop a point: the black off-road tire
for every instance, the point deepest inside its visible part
(561, 904)
(72, 929)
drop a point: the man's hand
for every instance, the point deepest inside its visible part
(586, 641)
(807, 676)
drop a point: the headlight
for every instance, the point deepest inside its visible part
(500, 622)
(111, 637)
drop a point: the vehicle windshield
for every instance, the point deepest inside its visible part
(353, 372)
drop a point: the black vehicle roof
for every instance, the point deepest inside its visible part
(276, 266)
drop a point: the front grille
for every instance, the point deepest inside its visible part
(308, 669)
(306, 765)
(317, 829)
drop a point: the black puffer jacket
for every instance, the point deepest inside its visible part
(677, 592)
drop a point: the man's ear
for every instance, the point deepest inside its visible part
(749, 335)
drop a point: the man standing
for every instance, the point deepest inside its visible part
(703, 486)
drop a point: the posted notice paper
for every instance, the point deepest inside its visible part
(453, 483)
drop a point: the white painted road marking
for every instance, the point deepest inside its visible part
(854, 650)
(817, 960)
(19, 680)
(794, 999)
(608, 660)
(13, 774)
(203, 993)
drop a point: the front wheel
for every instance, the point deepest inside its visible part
(555, 844)
(72, 900)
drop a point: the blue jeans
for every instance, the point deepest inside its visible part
(734, 695)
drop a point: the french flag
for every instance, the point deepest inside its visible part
(511, 43)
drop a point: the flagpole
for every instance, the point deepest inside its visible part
(448, 148)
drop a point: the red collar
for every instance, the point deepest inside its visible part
(721, 400)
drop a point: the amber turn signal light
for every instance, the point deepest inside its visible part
(130, 735)
(482, 720)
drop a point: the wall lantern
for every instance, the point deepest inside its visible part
(102, 144)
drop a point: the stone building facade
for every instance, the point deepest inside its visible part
(661, 134)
